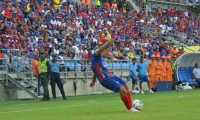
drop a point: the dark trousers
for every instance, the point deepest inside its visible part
(38, 85)
(198, 83)
(55, 79)
(45, 81)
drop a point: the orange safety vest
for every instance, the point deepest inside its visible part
(168, 67)
(163, 70)
(151, 67)
(82, 1)
(87, 2)
(174, 51)
(158, 70)
(114, 5)
(159, 11)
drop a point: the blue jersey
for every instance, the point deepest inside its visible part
(132, 69)
(99, 67)
(55, 66)
(141, 68)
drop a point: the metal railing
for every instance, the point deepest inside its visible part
(81, 69)
(172, 1)
(3, 70)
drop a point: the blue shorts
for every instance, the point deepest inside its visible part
(133, 79)
(113, 83)
(143, 79)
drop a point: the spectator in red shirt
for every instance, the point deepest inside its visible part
(107, 5)
(180, 52)
(157, 52)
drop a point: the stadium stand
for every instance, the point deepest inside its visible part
(60, 26)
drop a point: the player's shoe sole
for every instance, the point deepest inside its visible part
(133, 110)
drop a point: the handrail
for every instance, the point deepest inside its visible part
(19, 61)
(22, 75)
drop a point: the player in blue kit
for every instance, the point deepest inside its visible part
(142, 74)
(133, 76)
(108, 80)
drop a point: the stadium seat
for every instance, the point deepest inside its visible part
(137, 57)
(78, 66)
(71, 65)
(109, 65)
(123, 65)
(126, 65)
(127, 58)
(185, 75)
(118, 65)
(114, 65)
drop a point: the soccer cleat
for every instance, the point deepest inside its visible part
(136, 88)
(137, 91)
(142, 92)
(133, 91)
(150, 91)
(133, 110)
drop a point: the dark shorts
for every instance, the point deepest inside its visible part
(133, 79)
(143, 79)
(113, 83)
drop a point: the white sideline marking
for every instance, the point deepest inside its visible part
(20, 111)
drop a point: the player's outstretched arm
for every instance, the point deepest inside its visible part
(93, 81)
(104, 46)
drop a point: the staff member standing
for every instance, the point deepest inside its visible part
(36, 71)
(45, 70)
(55, 77)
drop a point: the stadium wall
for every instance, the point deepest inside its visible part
(82, 89)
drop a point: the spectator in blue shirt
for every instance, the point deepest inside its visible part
(133, 75)
(142, 74)
(163, 53)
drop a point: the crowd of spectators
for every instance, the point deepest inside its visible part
(140, 2)
(74, 30)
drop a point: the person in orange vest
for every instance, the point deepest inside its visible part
(159, 11)
(163, 70)
(83, 3)
(114, 5)
(87, 2)
(151, 72)
(174, 51)
(158, 67)
(169, 71)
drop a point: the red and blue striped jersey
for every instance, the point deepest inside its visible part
(100, 68)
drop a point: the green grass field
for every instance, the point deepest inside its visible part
(159, 106)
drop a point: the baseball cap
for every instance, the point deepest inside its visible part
(41, 52)
(54, 55)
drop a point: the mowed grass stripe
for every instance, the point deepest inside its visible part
(162, 106)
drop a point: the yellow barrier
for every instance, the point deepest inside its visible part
(192, 49)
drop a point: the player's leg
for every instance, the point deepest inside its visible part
(123, 83)
(126, 98)
(119, 86)
(129, 95)
(140, 84)
(151, 81)
(133, 84)
(145, 79)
